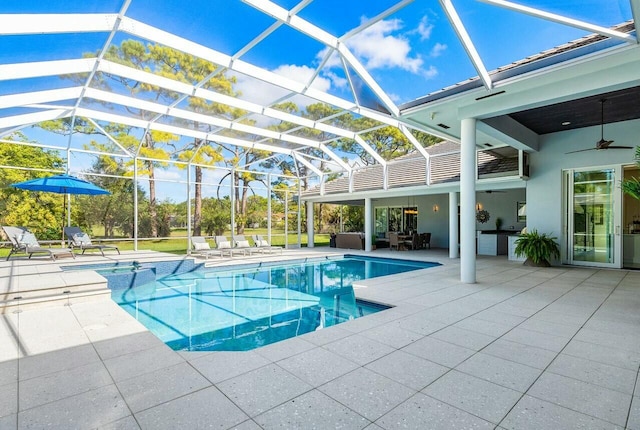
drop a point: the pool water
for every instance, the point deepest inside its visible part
(243, 308)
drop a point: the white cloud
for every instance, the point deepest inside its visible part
(263, 93)
(437, 50)
(379, 48)
(162, 174)
(303, 74)
(424, 29)
(430, 73)
(394, 97)
(213, 176)
(334, 58)
(337, 81)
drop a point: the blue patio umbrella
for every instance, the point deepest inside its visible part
(61, 184)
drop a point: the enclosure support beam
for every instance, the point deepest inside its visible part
(299, 214)
(310, 230)
(468, 201)
(232, 199)
(269, 207)
(67, 197)
(368, 224)
(189, 208)
(135, 203)
(453, 225)
(286, 219)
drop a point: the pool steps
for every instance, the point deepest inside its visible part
(61, 288)
(25, 284)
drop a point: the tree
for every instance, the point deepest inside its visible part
(389, 142)
(217, 215)
(41, 212)
(192, 70)
(153, 145)
(115, 209)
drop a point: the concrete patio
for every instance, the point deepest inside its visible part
(524, 348)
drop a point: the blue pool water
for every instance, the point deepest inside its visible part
(245, 307)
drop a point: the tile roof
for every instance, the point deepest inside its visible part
(411, 170)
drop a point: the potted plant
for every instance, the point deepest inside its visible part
(538, 248)
(498, 223)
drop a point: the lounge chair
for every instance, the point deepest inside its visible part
(242, 243)
(200, 246)
(79, 239)
(223, 244)
(22, 240)
(265, 246)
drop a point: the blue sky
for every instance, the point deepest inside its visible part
(410, 53)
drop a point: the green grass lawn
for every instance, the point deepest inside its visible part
(178, 245)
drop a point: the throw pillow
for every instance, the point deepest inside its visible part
(81, 238)
(224, 245)
(242, 244)
(199, 246)
(264, 243)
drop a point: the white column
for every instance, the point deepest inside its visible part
(310, 231)
(189, 226)
(368, 224)
(453, 225)
(468, 201)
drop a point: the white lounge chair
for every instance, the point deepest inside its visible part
(242, 243)
(263, 245)
(22, 240)
(79, 239)
(200, 246)
(223, 244)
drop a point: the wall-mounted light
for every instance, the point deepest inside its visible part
(436, 208)
(479, 207)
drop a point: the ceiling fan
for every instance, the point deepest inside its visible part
(602, 143)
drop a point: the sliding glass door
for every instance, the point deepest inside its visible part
(593, 217)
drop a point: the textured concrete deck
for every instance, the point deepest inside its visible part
(524, 348)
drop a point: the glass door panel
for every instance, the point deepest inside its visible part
(395, 219)
(382, 221)
(592, 217)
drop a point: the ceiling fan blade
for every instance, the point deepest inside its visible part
(582, 150)
(601, 148)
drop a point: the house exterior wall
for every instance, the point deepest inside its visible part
(501, 205)
(544, 188)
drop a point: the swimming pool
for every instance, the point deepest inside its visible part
(245, 307)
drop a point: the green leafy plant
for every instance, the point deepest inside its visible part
(538, 248)
(632, 186)
(498, 223)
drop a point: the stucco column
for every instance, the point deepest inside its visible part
(368, 224)
(310, 231)
(468, 201)
(453, 225)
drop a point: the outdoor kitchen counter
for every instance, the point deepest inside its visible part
(494, 242)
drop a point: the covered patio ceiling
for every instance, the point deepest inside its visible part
(69, 60)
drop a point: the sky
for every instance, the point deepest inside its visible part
(410, 53)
